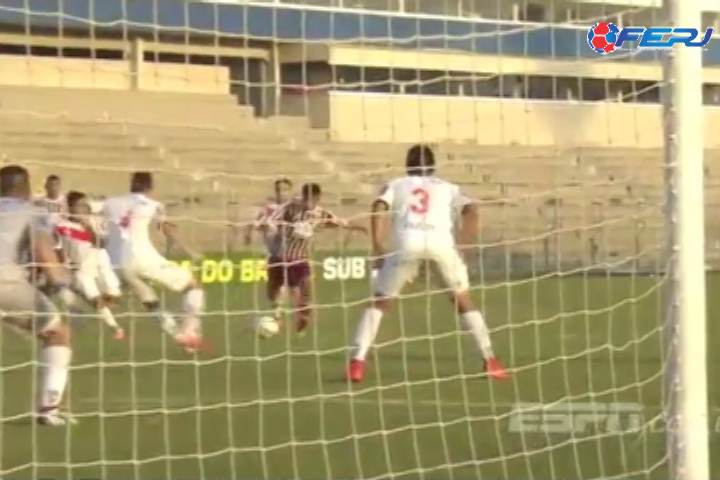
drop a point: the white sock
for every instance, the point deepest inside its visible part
(108, 317)
(475, 323)
(54, 368)
(193, 305)
(366, 332)
(194, 301)
(167, 321)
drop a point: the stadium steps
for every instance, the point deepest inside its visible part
(124, 105)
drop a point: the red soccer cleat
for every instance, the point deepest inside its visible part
(356, 371)
(119, 334)
(495, 370)
(194, 344)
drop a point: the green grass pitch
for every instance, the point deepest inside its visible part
(280, 409)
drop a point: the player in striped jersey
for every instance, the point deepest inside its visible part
(293, 226)
(281, 194)
(80, 241)
(53, 202)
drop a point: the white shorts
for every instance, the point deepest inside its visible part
(97, 278)
(154, 269)
(401, 268)
(91, 285)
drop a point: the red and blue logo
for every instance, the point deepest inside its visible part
(603, 37)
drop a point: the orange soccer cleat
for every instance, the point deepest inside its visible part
(495, 370)
(119, 334)
(192, 343)
(356, 371)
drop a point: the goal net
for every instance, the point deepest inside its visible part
(560, 145)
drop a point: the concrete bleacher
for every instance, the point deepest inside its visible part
(214, 159)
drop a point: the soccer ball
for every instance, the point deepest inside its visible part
(602, 37)
(266, 327)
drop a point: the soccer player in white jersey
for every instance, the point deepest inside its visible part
(25, 233)
(99, 287)
(99, 224)
(129, 220)
(422, 209)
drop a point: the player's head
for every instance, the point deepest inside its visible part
(420, 161)
(310, 193)
(141, 182)
(15, 182)
(77, 203)
(283, 188)
(53, 186)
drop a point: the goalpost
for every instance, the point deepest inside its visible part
(686, 347)
(590, 268)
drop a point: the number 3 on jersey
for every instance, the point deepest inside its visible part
(420, 201)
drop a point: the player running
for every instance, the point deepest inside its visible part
(294, 225)
(95, 282)
(282, 193)
(24, 231)
(422, 210)
(129, 220)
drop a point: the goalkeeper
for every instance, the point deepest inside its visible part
(25, 233)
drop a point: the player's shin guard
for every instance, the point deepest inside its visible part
(366, 333)
(193, 305)
(109, 319)
(54, 370)
(477, 327)
(167, 321)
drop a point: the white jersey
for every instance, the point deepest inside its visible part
(423, 211)
(129, 219)
(97, 219)
(56, 208)
(77, 245)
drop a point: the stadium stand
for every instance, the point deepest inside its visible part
(224, 114)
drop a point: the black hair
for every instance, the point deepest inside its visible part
(282, 182)
(310, 190)
(141, 182)
(420, 161)
(73, 197)
(14, 180)
(52, 178)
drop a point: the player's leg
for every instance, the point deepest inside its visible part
(450, 267)
(392, 276)
(299, 287)
(132, 279)
(275, 289)
(17, 299)
(179, 279)
(86, 284)
(108, 285)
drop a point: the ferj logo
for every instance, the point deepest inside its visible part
(602, 37)
(605, 37)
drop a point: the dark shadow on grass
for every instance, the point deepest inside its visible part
(19, 422)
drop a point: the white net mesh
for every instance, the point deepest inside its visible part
(220, 99)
